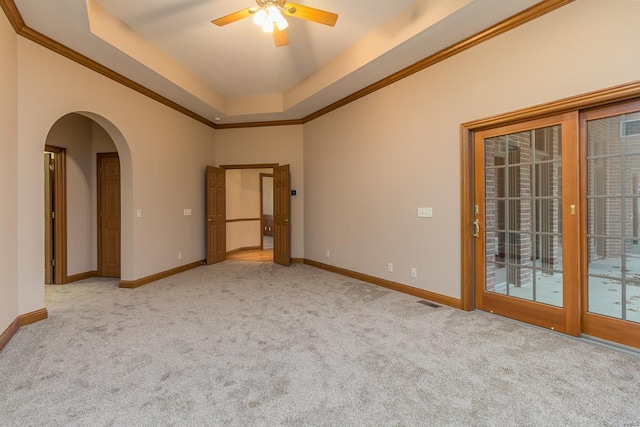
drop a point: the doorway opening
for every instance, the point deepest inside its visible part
(76, 199)
(248, 213)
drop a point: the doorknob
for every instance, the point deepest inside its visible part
(286, 220)
(476, 224)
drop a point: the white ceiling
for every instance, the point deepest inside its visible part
(235, 74)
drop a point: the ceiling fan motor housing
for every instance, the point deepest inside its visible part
(266, 3)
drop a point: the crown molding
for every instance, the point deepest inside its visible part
(534, 12)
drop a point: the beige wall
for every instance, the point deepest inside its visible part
(163, 155)
(8, 175)
(267, 194)
(282, 145)
(371, 164)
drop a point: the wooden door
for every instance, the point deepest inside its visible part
(55, 215)
(527, 242)
(49, 238)
(282, 215)
(216, 227)
(108, 214)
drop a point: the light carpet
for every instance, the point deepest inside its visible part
(257, 344)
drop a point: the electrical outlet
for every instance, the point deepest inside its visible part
(414, 272)
(179, 255)
(390, 268)
(328, 254)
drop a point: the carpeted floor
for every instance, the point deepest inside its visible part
(256, 344)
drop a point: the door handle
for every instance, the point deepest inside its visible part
(476, 224)
(286, 220)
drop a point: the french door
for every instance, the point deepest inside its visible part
(610, 139)
(527, 223)
(557, 222)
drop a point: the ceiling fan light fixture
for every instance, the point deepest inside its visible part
(267, 17)
(260, 17)
(281, 22)
(267, 27)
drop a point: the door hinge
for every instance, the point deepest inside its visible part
(53, 263)
(53, 215)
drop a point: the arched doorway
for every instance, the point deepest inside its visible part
(83, 230)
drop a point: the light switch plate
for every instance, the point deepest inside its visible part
(187, 212)
(425, 212)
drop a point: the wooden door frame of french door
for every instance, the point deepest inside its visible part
(594, 324)
(567, 317)
(467, 131)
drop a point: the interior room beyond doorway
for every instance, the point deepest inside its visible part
(249, 210)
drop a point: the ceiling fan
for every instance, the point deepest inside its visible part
(268, 16)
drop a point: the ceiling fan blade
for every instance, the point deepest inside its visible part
(233, 17)
(280, 37)
(311, 14)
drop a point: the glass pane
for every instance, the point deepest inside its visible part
(496, 277)
(548, 257)
(517, 248)
(632, 312)
(519, 181)
(632, 175)
(501, 247)
(548, 180)
(605, 257)
(604, 217)
(548, 216)
(605, 297)
(631, 213)
(492, 207)
(632, 143)
(601, 139)
(492, 246)
(547, 143)
(520, 216)
(629, 125)
(549, 288)
(519, 148)
(521, 283)
(605, 177)
(494, 151)
(632, 261)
